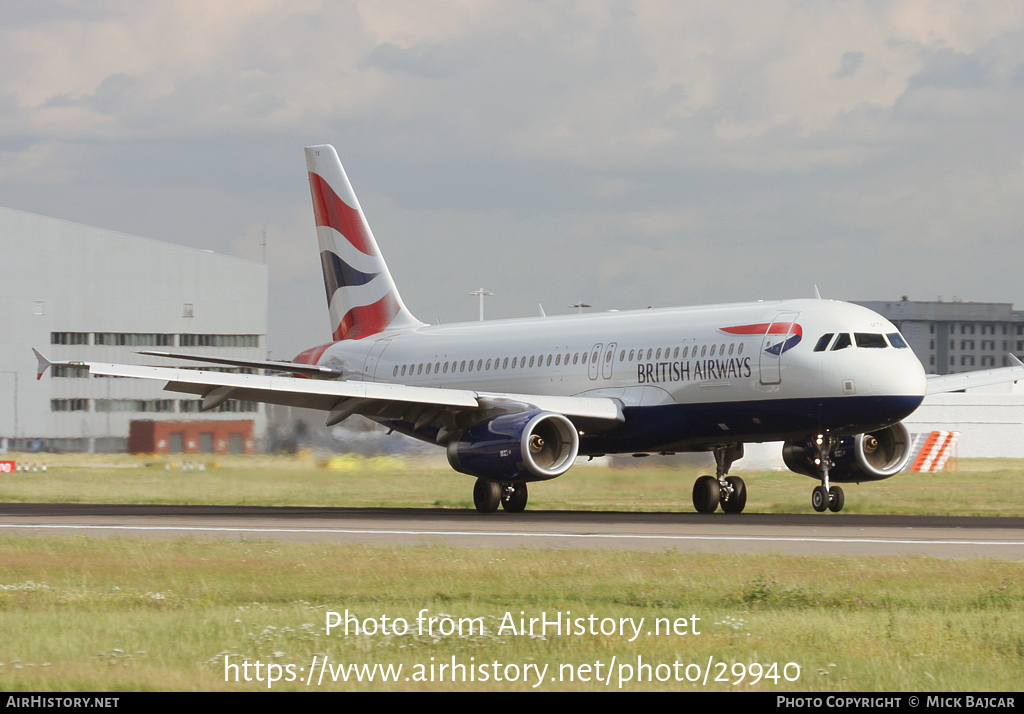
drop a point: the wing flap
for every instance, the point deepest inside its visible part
(584, 407)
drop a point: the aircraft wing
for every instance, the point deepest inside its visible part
(312, 370)
(440, 407)
(941, 383)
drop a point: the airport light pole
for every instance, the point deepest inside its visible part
(481, 293)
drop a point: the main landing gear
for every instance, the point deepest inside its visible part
(728, 491)
(826, 497)
(487, 495)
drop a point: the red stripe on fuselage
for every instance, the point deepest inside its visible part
(366, 320)
(332, 212)
(765, 328)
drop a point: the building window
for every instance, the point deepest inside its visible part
(69, 405)
(69, 338)
(134, 405)
(62, 370)
(133, 339)
(219, 340)
(238, 405)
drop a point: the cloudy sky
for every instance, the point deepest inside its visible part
(626, 153)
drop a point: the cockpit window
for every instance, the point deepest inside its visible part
(896, 340)
(842, 342)
(823, 342)
(868, 339)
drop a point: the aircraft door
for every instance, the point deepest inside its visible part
(609, 361)
(373, 358)
(595, 361)
(779, 331)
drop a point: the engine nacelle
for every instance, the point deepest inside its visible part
(516, 447)
(865, 457)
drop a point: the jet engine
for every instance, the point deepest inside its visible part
(873, 456)
(516, 447)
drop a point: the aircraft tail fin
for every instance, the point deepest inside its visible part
(361, 294)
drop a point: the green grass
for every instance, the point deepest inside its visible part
(131, 614)
(86, 614)
(992, 487)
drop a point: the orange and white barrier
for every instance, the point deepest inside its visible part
(935, 451)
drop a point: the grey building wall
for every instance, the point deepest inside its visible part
(135, 293)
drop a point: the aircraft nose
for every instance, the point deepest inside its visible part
(901, 375)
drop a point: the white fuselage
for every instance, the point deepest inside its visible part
(687, 378)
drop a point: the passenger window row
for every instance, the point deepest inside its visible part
(559, 359)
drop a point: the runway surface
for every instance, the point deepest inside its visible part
(814, 534)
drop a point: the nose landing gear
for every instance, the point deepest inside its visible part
(826, 497)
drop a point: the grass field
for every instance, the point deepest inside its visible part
(992, 487)
(91, 614)
(85, 614)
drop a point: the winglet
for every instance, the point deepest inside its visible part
(1016, 360)
(42, 363)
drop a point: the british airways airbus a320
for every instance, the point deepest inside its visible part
(516, 401)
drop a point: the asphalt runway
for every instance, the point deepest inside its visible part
(807, 534)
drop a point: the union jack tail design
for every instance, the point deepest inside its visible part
(361, 294)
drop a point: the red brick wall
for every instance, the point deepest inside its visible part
(193, 437)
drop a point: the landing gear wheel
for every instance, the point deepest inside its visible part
(819, 499)
(736, 500)
(706, 494)
(513, 497)
(836, 499)
(486, 496)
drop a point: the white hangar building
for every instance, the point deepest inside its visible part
(76, 292)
